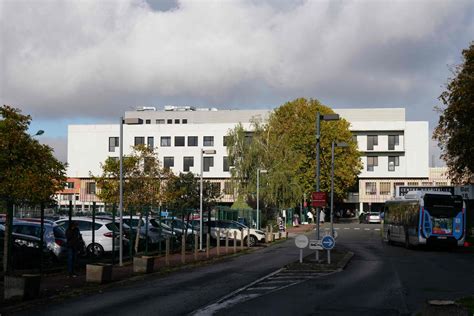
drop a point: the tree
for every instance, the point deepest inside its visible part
(286, 147)
(455, 129)
(29, 172)
(142, 179)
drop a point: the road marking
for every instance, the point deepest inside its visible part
(336, 228)
(357, 228)
(261, 288)
(346, 228)
(366, 228)
(376, 228)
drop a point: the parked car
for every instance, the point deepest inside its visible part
(225, 226)
(54, 237)
(371, 217)
(103, 234)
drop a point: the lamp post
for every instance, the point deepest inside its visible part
(258, 199)
(319, 117)
(207, 152)
(342, 145)
(128, 121)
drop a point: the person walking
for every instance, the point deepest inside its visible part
(74, 241)
(310, 217)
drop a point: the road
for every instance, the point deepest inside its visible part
(379, 280)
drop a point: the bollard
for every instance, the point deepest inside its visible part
(183, 249)
(248, 237)
(242, 240)
(167, 251)
(286, 235)
(279, 235)
(208, 245)
(235, 242)
(195, 247)
(267, 235)
(272, 237)
(227, 242)
(218, 242)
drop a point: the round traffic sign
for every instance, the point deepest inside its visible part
(328, 242)
(301, 241)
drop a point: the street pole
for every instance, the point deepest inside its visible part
(200, 202)
(318, 136)
(258, 185)
(332, 188)
(121, 194)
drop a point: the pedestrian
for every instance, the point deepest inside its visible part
(74, 242)
(321, 216)
(310, 217)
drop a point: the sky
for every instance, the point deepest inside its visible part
(86, 62)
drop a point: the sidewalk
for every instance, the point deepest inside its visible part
(57, 286)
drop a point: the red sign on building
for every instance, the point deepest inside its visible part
(318, 199)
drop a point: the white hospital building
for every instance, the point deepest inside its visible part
(394, 151)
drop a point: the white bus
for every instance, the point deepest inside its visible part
(421, 218)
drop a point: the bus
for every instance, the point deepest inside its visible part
(421, 218)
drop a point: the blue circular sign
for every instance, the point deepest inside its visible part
(328, 242)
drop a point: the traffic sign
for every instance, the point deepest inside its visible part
(318, 199)
(301, 241)
(315, 245)
(328, 242)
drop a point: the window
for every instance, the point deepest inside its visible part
(193, 141)
(372, 140)
(208, 163)
(372, 161)
(184, 121)
(228, 188)
(179, 141)
(412, 184)
(397, 184)
(176, 121)
(393, 161)
(151, 142)
(169, 121)
(384, 188)
(370, 188)
(392, 141)
(160, 121)
(147, 121)
(226, 141)
(168, 162)
(354, 138)
(441, 184)
(69, 185)
(226, 163)
(188, 162)
(139, 141)
(208, 141)
(165, 141)
(90, 187)
(426, 184)
(113, 142)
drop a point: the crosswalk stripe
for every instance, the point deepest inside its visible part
(366, 228)
(356, 228)
(376, 228)
(346, 228)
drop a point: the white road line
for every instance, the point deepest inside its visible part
(337, 228)
(356, 228)
(366, 228)
(376, 228)
(346, 228)
(262, 288)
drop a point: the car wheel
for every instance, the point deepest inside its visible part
(95, 250)
(253, 241)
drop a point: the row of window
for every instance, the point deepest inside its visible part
(188, 162)
(385, 187)
(373, 161)
(165, 141)
(168, 121)
(373, 140)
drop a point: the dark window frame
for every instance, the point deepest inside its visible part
(179, 141)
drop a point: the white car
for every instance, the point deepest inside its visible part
(103, 233)
(225, 226)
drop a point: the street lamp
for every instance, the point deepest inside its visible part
(341, 145)
(128, 121)
(258, 200)
(319, 117)
(38, 133)
(207, 152)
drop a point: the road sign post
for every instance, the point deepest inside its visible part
(328, 243)
(301, 241)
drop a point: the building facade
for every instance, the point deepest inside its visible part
(394, 151)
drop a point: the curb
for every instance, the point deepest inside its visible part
(345, 261)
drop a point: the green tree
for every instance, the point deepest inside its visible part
(142, 179)
(455, 129)
(286, 147)
(29, 172)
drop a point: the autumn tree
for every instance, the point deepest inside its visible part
(455, 129)
(285, 146)
(29, 172)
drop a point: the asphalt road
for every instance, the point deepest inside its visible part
(379, 280)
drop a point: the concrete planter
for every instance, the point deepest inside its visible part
(143, 264)
(23, 287)
(99, 273)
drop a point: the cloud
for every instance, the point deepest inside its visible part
(59, 144)
(93, 58)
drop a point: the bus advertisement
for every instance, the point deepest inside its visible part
(420, 218)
